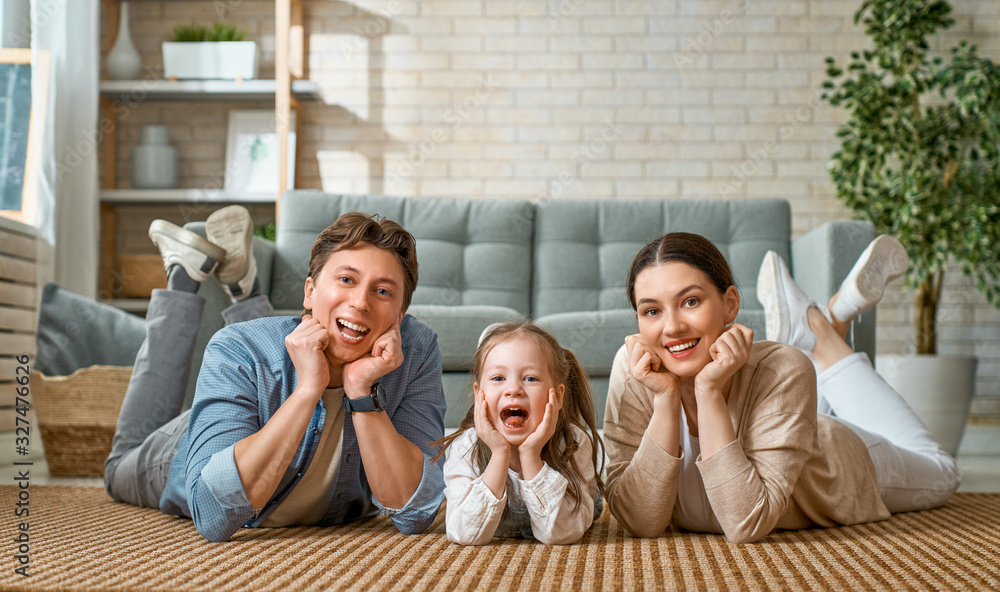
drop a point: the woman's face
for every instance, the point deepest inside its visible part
(681, 313)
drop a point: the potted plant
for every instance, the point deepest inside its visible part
(920, 159)
(197, 52)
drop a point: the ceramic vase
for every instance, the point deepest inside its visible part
(154, 160)
(123, 62)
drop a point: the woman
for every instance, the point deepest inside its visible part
(713, 432)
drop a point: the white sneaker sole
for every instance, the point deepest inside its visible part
(232, 229)
(187, 238)
(769, 290)
(883, 261)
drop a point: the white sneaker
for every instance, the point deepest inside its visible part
(785, 305)
(197, 256)
(884, 260)
(232, 229)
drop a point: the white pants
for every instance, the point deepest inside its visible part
(913, 472)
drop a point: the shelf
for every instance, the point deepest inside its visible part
(132, 305)
(120, 196)
(203, 90)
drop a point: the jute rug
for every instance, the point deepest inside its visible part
(78, 539)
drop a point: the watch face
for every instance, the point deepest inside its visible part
(379, 395)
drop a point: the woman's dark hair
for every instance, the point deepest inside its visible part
(354, 228)
(693, 249)
(577, 409)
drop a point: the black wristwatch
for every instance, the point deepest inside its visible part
(373, 402)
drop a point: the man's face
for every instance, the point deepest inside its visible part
(357, 297)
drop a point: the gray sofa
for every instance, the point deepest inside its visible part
(562, 263)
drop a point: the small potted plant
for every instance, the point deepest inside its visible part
(195, 52)
(920, 159)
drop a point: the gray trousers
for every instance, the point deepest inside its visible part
(150, 423)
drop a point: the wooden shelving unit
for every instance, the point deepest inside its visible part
(288, 88)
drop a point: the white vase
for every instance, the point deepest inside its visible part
(938, 388)
(123, 62)
(154, 160)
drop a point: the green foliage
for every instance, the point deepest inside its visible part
(920, 153)
(188, 33)
(266, 231)
(226, 32)
(219, 32)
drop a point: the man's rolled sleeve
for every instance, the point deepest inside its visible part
(420, 510)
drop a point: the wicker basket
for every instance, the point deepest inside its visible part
(77, 416)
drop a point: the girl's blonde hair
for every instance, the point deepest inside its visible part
(577, 409)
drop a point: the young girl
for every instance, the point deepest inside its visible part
(713, 432)
(524, 462)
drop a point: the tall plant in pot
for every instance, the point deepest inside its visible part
(920, 159)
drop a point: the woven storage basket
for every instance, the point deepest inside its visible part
(77, 415)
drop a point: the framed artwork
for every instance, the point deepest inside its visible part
(22, 125)
(252, 152)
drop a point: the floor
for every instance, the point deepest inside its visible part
(978, 458)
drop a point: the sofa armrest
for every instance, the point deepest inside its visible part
(821, 260)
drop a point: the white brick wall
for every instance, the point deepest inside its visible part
(673, 99)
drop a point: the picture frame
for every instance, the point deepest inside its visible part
(252, 152)
(25, 104)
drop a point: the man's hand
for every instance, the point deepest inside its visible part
(729, 353)
(648, 369)
(386, 356)
(306, 346)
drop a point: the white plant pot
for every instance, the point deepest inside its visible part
(938, 388)
(216, 60)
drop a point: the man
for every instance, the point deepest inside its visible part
(322, 419)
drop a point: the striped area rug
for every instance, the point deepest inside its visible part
(78, 539)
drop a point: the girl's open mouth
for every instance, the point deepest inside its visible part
(514, 417)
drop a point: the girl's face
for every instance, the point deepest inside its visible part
(515, 381)
(681, 313)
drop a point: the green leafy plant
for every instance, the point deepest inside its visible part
(266, 231)
(219, 32)
(188, 33)
(226, 32)
(920, 152)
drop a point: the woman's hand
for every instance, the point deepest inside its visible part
(648, 369)
(729, 353)
(386, 356)
(486, 431)
(306, 346)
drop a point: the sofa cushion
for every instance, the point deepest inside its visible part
(583, 249)
(593, 336)
(458, 329)
(469, 251)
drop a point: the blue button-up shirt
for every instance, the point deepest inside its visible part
(245, 377)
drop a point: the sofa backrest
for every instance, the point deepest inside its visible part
(583, 249)
(469, 251)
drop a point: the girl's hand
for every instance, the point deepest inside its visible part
(533, 444)
(386, 356)
(648, 369)
(486, 431)
(729, 353)
(306, 346)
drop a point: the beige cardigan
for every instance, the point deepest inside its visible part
(787, 469)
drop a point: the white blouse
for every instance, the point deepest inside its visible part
(538, 508)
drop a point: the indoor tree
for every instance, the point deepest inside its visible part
(920, 153)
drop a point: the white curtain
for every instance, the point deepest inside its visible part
(68, 200)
